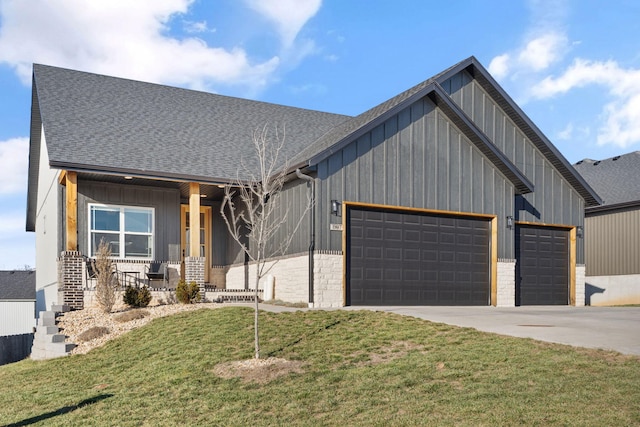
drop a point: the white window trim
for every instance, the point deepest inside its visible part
(122, 233)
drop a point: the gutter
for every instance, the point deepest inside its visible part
(312, 230)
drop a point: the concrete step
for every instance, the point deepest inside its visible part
(51, 350)
(46, 321)
(59, 347)
(48, 342)
(60, 308)
(58, 338)
(47, 330)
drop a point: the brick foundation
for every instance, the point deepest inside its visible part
(194, 271)
(70, 269)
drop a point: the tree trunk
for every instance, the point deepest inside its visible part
(255, 318)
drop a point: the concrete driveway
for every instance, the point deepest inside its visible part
(610, 328)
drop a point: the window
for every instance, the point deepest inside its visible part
(127, 230)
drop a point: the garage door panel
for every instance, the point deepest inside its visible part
(417, 259)
(542, 265)
(373, 252)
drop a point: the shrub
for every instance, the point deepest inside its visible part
(106, 277)
(130, 315)
(137, 297)
(187, 293)
(93, 333)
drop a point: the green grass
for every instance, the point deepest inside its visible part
(362, 368)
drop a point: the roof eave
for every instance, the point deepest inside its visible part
(35, 140)
(344, 141)
(139, 173)
(441, 98)
(612, 207)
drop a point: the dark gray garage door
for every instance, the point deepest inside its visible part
(407, 258)
(542, 265)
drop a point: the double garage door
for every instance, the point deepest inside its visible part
(414, 258)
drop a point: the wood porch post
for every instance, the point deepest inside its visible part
(194, 219)
(71, 210)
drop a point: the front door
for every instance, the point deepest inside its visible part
(205, 236)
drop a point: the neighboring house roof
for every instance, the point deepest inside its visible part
(18, 285)
(617, 179)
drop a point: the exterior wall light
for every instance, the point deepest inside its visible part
(510, 222)
(335, 207)
(580, 232)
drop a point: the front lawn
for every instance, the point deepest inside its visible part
(356, 368)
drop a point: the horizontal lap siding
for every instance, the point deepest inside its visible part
(416, 158)
(612, 243)
(553, 201)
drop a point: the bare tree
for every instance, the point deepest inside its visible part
(254, 211)
(106, 278)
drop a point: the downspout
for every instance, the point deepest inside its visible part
(312, 229)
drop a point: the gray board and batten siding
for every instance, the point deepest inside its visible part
(290, 205)
(165, 201)
(416, 158)
(554, 200)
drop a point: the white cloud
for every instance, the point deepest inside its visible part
(621, 116)
(539, 53)
(128, 39)
(14, 161)
(535, 55)
(499, 66)
(197, 27)
(313, 88)
(289, 16)
(566, 133)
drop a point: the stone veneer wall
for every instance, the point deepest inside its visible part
(506, 283)
(291, 276)
(580, 285)
(328, 276)
(70, 266)
(218, 277)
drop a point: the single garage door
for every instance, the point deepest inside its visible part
(542, 265)
(412, 258)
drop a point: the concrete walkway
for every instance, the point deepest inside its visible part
(610, 328)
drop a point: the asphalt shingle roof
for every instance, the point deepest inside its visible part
(101, 123)
(105, 124)
(18, 285)
(616, 180)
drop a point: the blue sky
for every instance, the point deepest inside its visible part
(572, 65)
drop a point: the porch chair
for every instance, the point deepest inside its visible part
(92, 271)
(157, 271)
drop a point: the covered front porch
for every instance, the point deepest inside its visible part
(171, 227)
